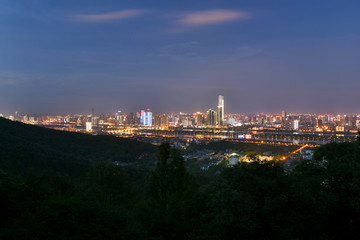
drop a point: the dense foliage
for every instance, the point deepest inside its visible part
(25, 148)
(318, 199)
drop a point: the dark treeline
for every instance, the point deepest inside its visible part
(25, 149)
(318, 199)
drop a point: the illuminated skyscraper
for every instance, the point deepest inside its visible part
(146, 117)
(88, 126)
(295, 125)
(358, 124)
(142, 116)
(220, 114)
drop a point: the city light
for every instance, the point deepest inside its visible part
(282, 128)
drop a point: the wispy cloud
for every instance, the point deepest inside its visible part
(246, 51)
(17, 79)
(179, 51)
(209, 17)
(103, 17)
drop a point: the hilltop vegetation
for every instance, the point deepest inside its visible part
(25, 148)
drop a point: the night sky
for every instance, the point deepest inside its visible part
(69, 56)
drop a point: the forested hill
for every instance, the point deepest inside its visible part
(318, 199)
(27, 148)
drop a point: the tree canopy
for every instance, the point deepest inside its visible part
(317, 199)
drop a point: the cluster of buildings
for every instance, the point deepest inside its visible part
(211, 118)
(197, 119)
(208, 158)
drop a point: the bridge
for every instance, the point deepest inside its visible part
(279, 136)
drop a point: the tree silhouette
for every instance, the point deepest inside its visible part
(169, 178)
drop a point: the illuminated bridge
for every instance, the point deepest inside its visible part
(283, 136)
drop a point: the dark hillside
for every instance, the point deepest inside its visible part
(25, 148)
(318, 199)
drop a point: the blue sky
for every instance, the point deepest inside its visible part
(171, 56)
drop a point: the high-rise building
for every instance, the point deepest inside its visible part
(220, 113)
(187, 122)
(120, 117)
(295, 125)
(88, 126)
(146, 117)
(161, 120)
(134, 118)
(198, 118)
(319, 123)
(142, 116)
(17, 117)
(358, 124)
(211, 117)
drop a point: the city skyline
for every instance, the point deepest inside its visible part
(170, 57)
(88, 112)
(217, 116)
(281, 128)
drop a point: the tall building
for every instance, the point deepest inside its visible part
(142, 116)
(358, 124)
(198, 118)
(17, 117)
(319, 123)
(119, 117)
(220, 113)
(88, 126)
(146, 117)
(161, 120)
(295, 125)
(211, 117)
(134, 118)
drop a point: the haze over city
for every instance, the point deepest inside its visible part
(263, 56)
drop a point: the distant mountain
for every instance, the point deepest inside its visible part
(27, 148)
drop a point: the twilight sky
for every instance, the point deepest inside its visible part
(68, 56)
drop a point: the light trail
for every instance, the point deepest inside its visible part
(294, 152)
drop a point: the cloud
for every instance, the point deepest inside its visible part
(210, 17)
(16, 79)
(246, 51)
(179, 50)
(103, 17)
